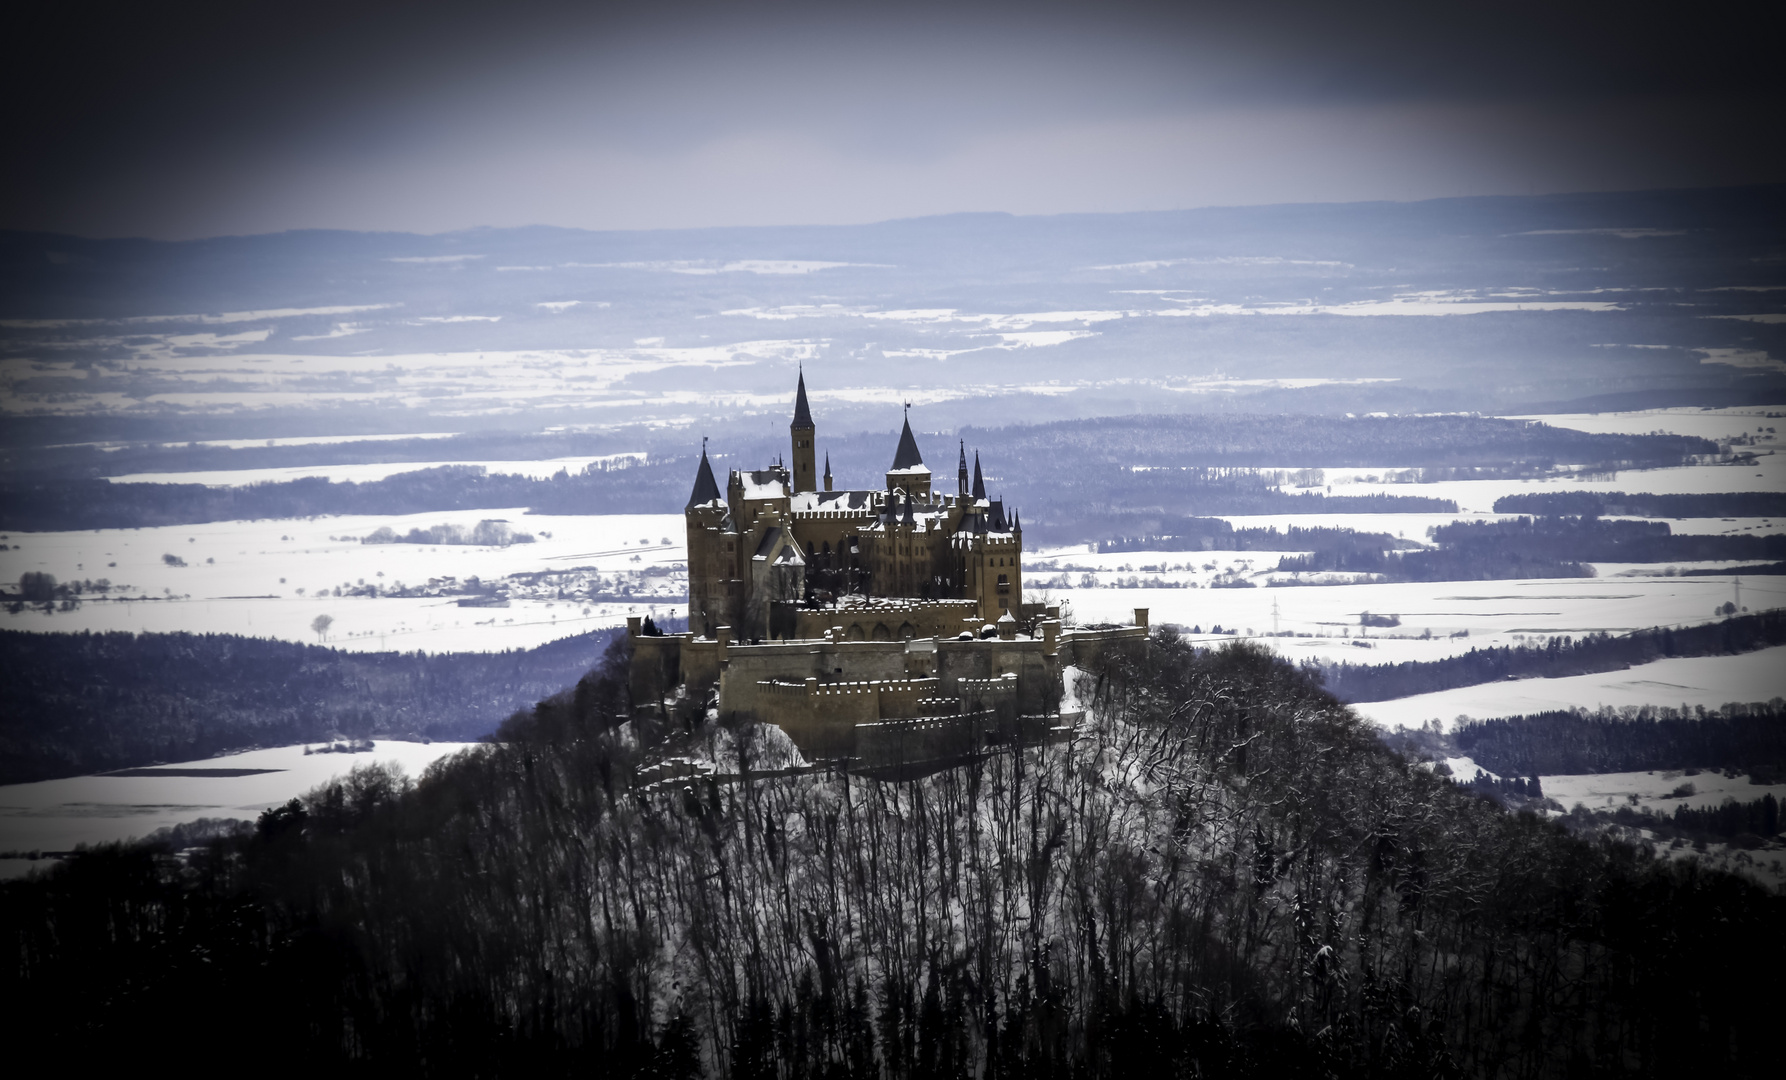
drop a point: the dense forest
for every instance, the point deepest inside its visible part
(1746, 738)
(1223, 873)
(1762, 504)
(1561, 656)
(1746, 824)
(81, 703)
(1534, 548)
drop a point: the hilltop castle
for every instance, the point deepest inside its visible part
(886, 624)
(904, 561)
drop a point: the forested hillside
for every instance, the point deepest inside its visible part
(1559, 657)
(1223, 874)
(80, 703)
(1749, 738)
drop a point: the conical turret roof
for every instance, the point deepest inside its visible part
(802, 414)
(907, 456)
(706, 490)
(979, 483)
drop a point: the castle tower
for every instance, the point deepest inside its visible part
(711, 553)
(909, 473)
(961, 472)
(801, 433)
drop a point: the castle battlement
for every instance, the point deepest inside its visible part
(833, 515)
(812, 687)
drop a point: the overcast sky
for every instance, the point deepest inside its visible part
(198, 119)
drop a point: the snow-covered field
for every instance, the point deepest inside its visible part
(1652, 790)
(1717, 424)
(1493, 612)
(1710, 681)
(56, 815)
(272, 578)
(386, 624)
(1768, 473)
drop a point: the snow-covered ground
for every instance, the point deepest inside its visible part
(1710, 681)
(245, 577)
(1493, 612)
(56, 815)
(1652, 790)
(361, 624)
(1768, 473)
(1717, 424)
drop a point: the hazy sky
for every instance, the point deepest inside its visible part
(195, 119)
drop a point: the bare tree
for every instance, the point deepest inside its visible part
(321, 625)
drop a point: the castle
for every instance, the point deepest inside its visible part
(885, 624)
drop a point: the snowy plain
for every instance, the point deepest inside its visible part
(1709, 681)
(245, 577)
(57, 815)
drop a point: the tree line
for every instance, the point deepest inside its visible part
(1762, 504)
(58, 505)
(1562, 655)
(1534, 548)
(1217, 534)
(1262, 441)
(81, 703)
(1748, 738)
(1222, 873)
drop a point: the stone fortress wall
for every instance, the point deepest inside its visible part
(881, 700)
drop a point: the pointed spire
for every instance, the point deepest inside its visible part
(1017, 527)
(802, 414)
(961, 471)
(979, 483)
(908, 519)
(706, 490)
(827, 464)
(907, 456)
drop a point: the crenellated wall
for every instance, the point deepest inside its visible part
(833, 696)
(889, 620)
